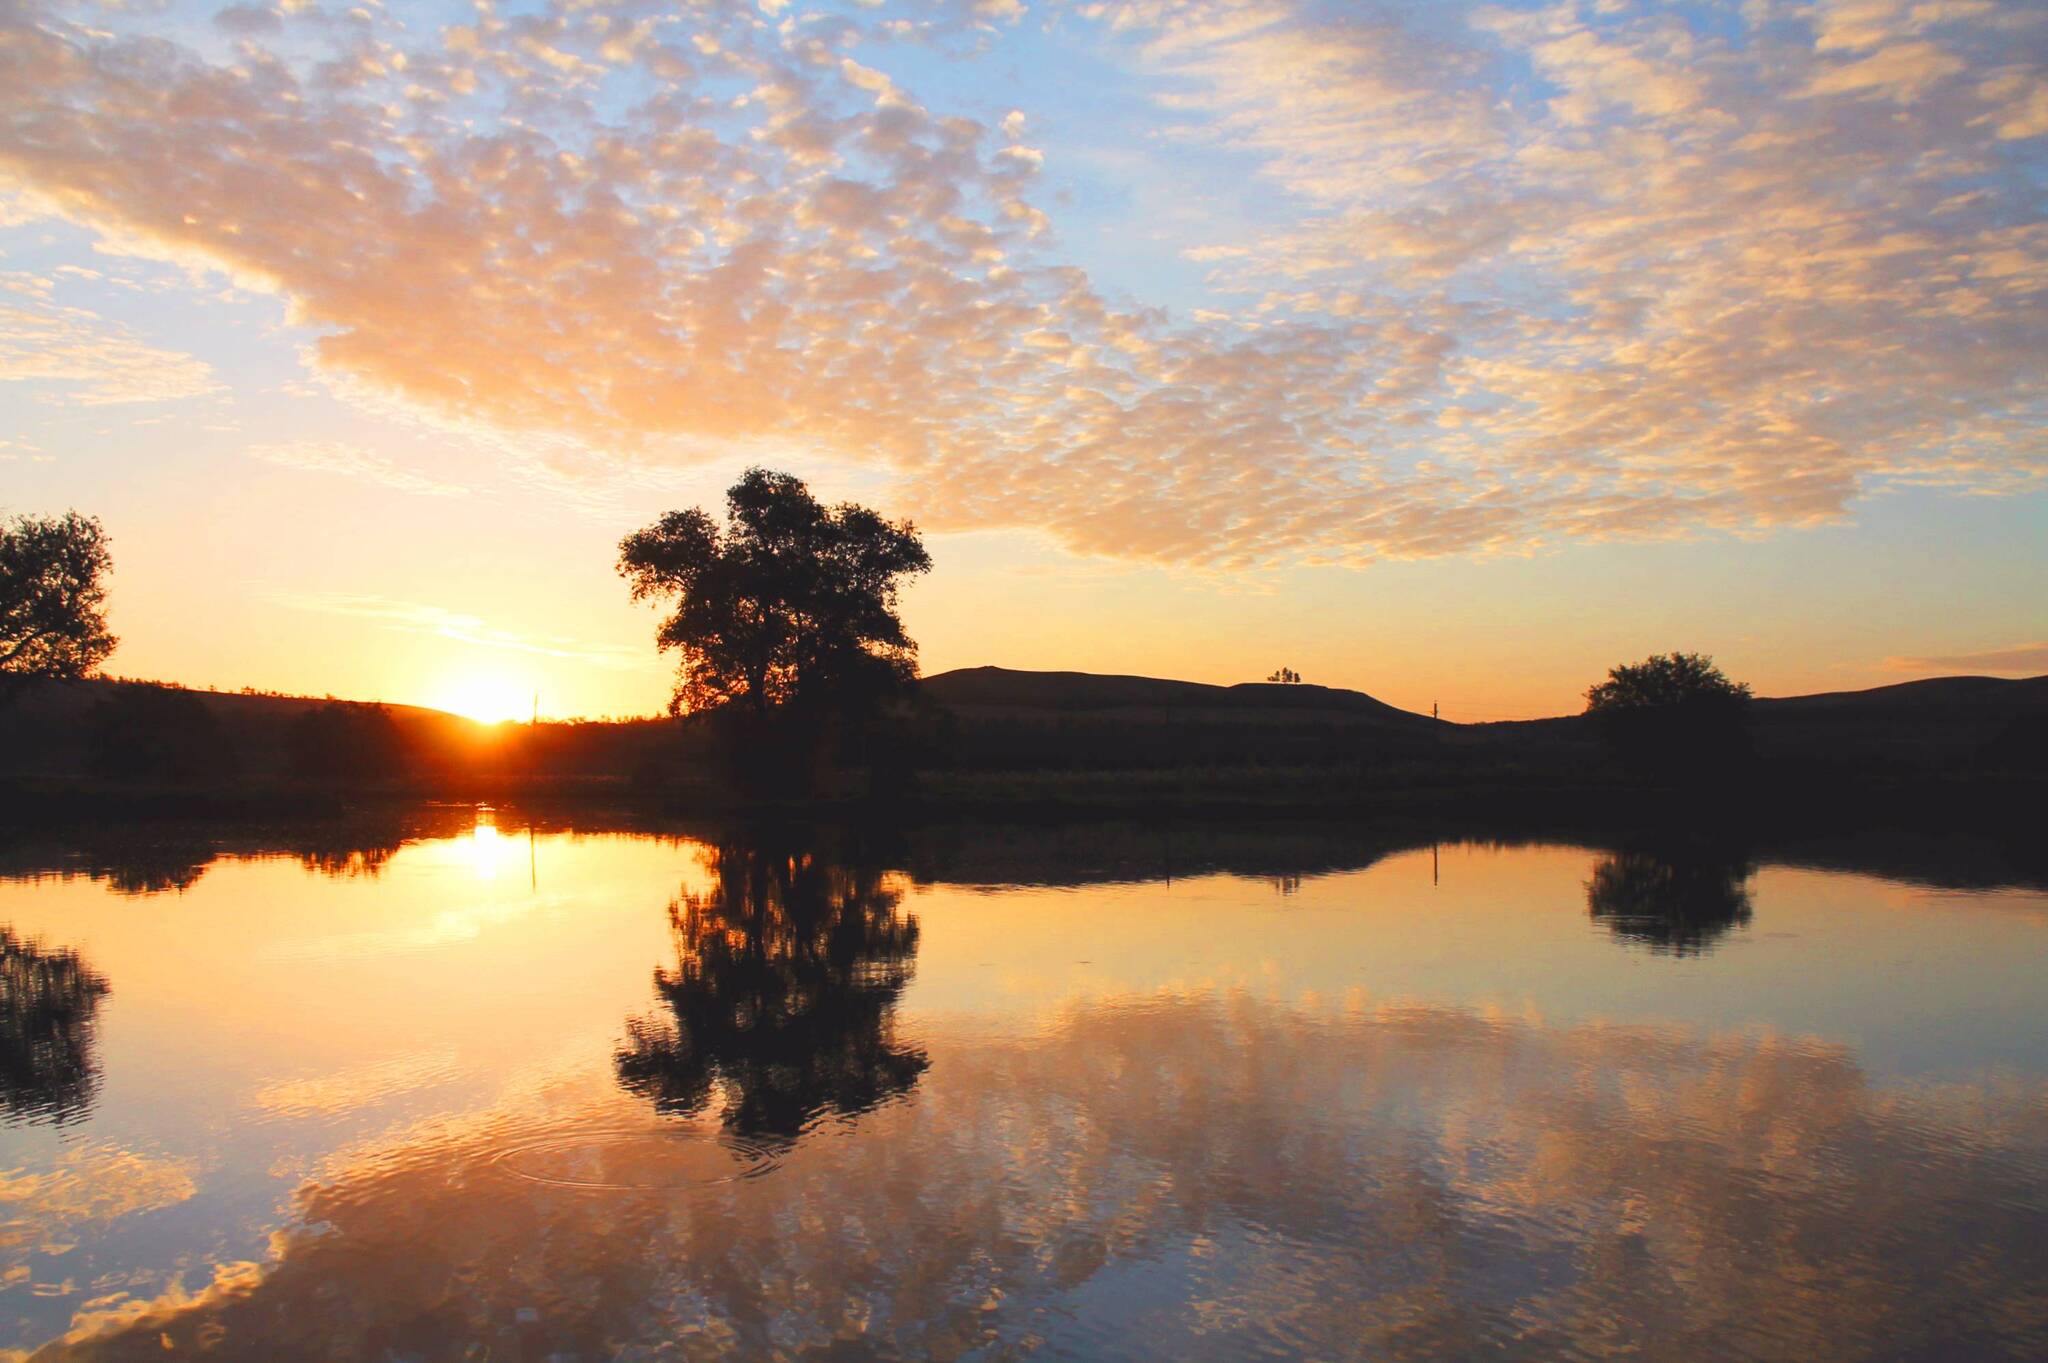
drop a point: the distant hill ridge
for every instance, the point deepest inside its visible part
(1020, 689)
(1010, 688)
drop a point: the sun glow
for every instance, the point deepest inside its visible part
(490, 700)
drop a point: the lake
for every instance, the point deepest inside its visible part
(463, 1087)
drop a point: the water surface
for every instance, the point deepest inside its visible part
(468, 1089)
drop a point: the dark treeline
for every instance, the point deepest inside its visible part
(1960, 750)
(130, 736)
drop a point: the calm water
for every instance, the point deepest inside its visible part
(474, 1091)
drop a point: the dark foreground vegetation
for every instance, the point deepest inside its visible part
(987, 740)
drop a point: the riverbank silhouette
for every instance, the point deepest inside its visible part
(992, 740)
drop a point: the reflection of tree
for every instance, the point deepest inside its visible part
(148, 862)
(357, 850)
(1680, 902)
(47, 1002)
(783, 996)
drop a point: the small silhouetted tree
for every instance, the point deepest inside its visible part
(1286, 675)
(1675, 716)
(53, 596)
(784, 616)
(339, 741)
(141, 731)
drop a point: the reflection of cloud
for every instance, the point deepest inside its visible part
(1720, 273)
(1212, 1177)
(86, 1186)
(330, 456)
(448, 927)
(356, 1086)
(2027, 659)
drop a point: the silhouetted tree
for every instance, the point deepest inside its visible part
(1676, 717)
(1676, 901)
(142, 731)
(783, 997)
(1667, 679)
(785, 620)
(47, 1002)
(789, 601)
(53, 596)
(1286, 675)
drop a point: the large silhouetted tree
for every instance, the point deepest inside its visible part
(53, 596)
(1675, 717)
(1668, 679)
(788, 603)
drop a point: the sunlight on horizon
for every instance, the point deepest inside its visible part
(486, 699)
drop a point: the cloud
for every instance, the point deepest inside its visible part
(1681, 279)
(330, 456)
(1716, 289)
(98, 362)
(2024, 659)
(411, 617)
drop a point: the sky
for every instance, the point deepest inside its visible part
(1450, 352)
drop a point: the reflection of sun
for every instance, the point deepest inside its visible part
(485, 846)
(485, 698)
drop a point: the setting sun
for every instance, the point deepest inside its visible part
(487, 699)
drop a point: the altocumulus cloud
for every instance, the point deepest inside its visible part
(84, 358)
(1583, 271)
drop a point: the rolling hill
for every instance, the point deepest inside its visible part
(1002, 689)
(1119, 736)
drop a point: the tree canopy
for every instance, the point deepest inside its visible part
(788, 601)
(1689, 679)
(53, 596)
